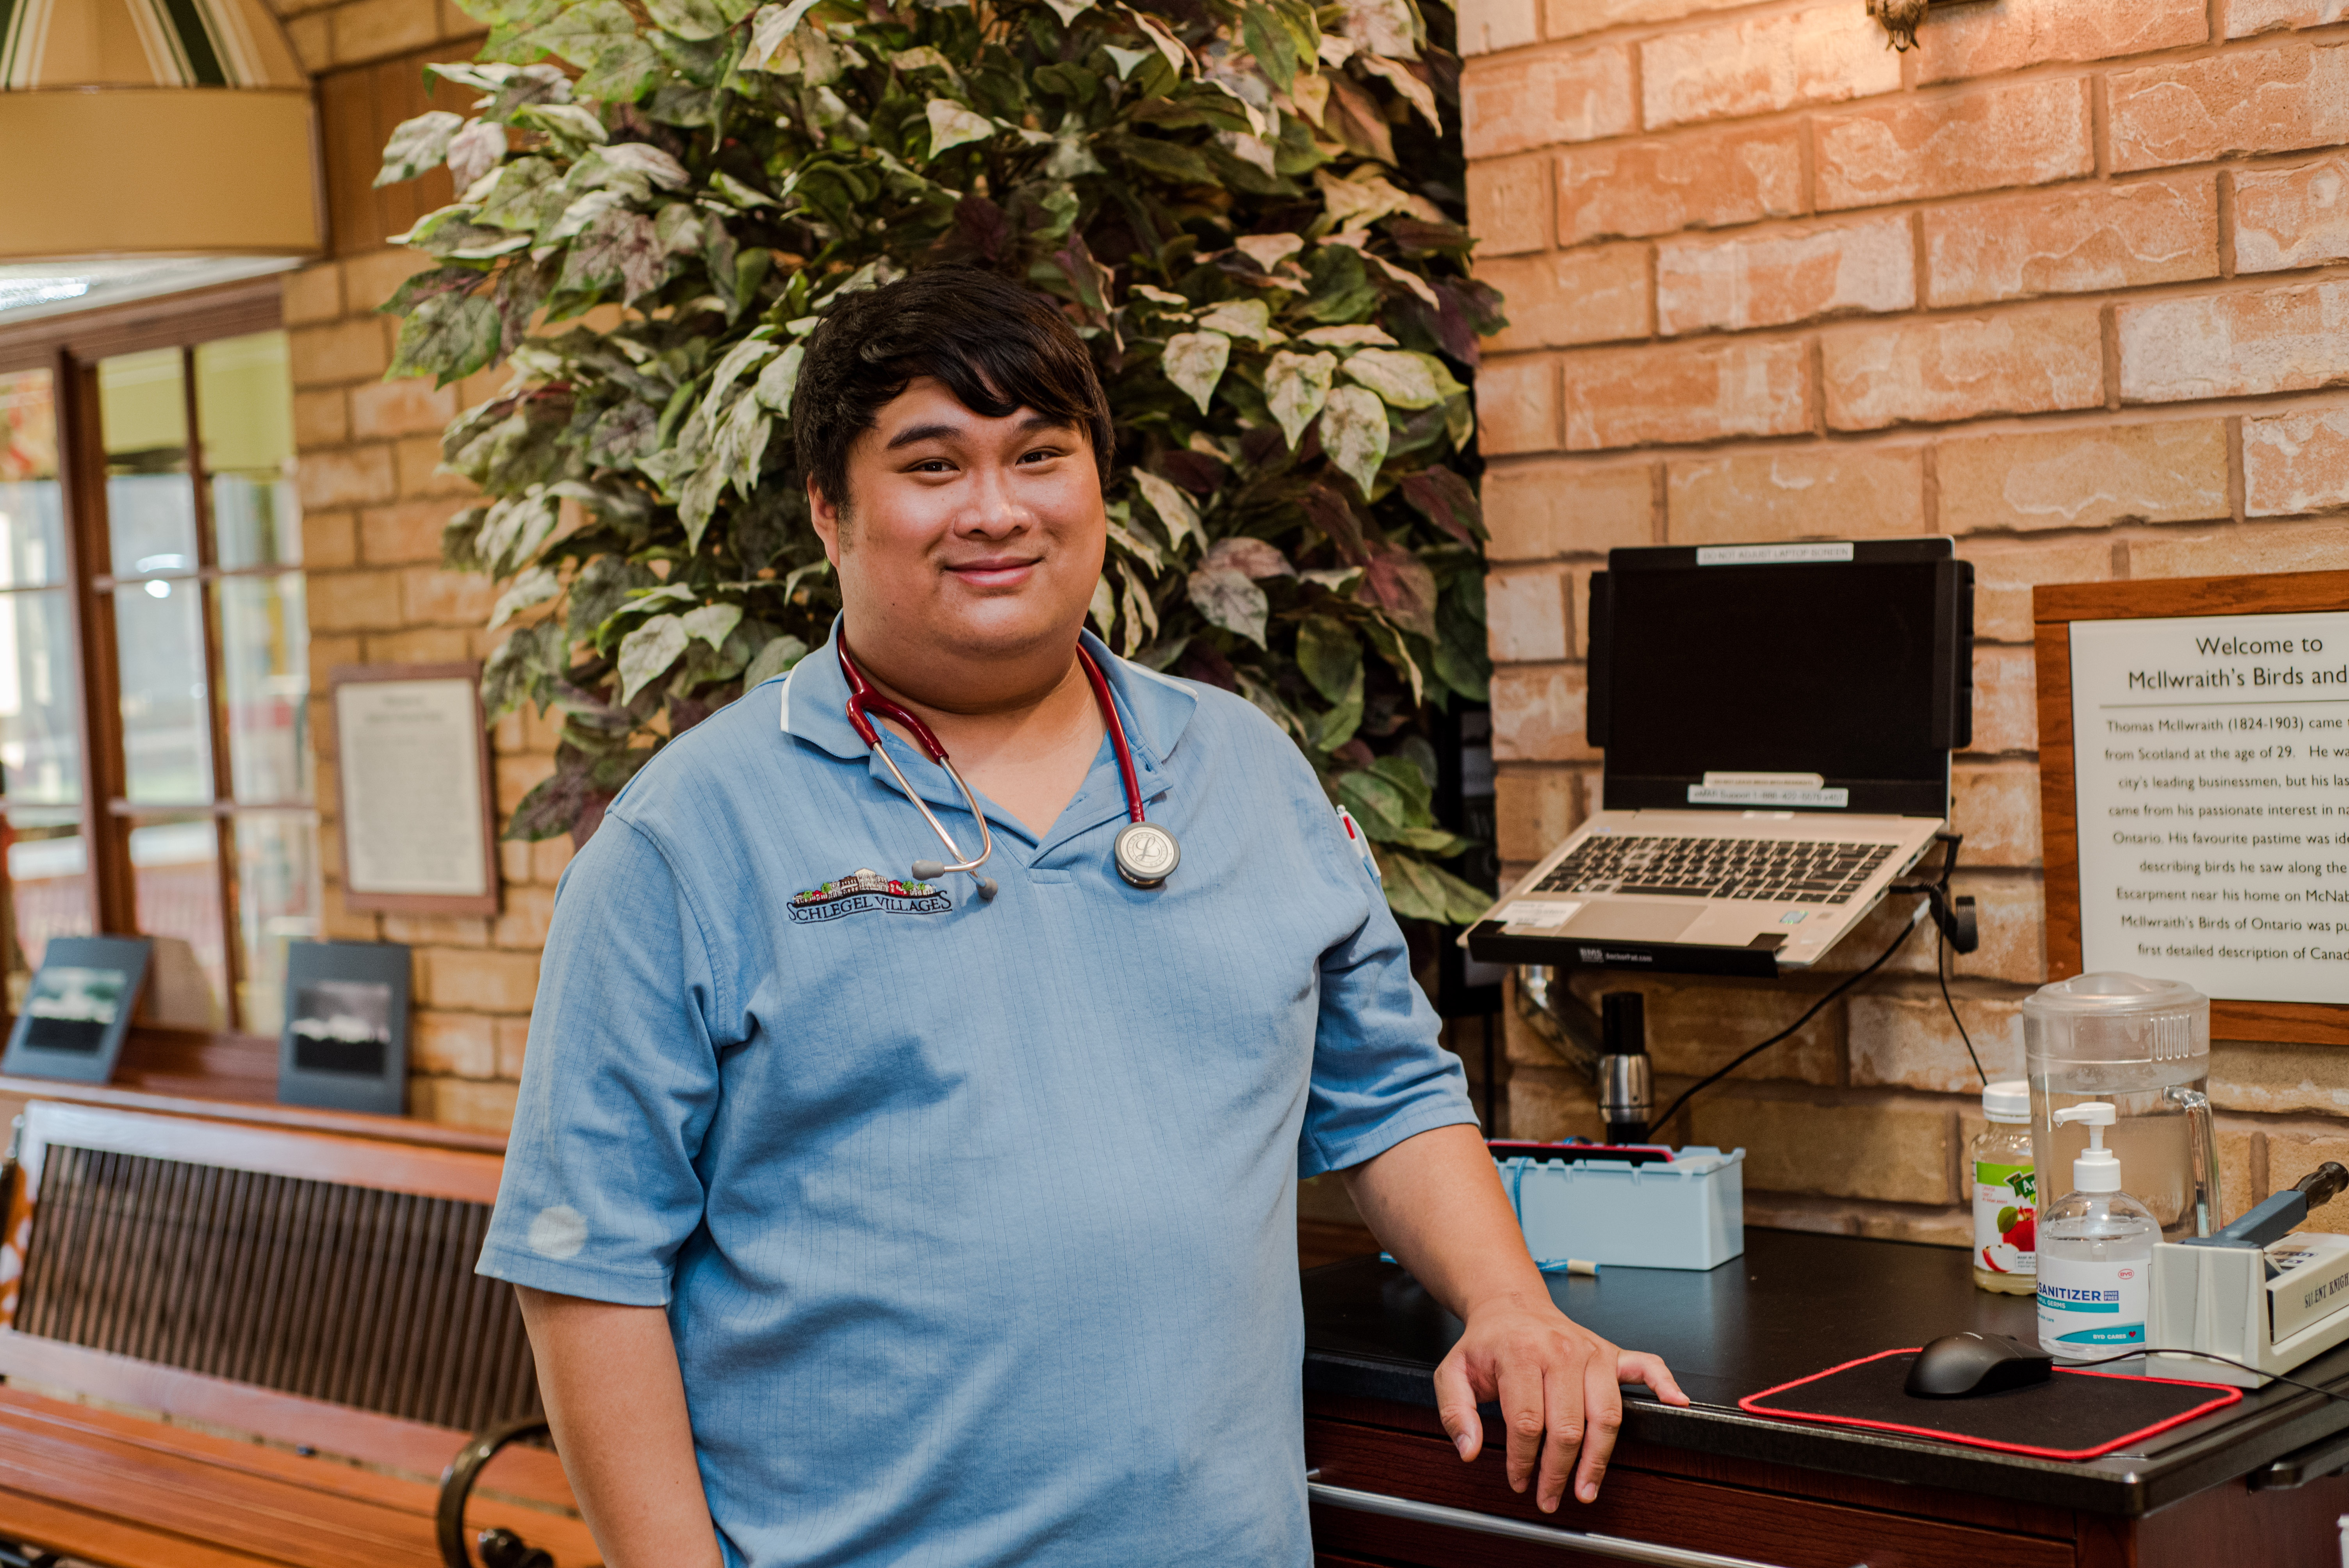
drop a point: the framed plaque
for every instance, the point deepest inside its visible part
(419, 818)
(2194, 791)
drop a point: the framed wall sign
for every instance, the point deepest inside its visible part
(2194, 791)
(346, 1042)
(419, 819)
(78, 1010)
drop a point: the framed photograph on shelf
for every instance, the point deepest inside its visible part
(419, 814)
(346, 1042)
(79, 1009)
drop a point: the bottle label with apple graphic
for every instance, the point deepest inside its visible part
(2006, 1217)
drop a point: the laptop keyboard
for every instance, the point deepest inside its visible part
(1778, 870)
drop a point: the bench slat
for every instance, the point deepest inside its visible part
(24, 1409)
(385, 1441)
(145, 1483)
(109, 1543)
(461, 1175)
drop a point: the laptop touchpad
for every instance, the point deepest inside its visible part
(1629, 920)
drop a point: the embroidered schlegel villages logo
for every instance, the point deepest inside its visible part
(865, 889)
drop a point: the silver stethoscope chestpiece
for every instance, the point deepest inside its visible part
(1146, 853)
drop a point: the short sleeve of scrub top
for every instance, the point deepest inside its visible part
(974, 1221)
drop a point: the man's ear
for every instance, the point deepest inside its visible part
(830, 521)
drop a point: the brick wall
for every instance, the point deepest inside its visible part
(373, 506)
(2065, 282)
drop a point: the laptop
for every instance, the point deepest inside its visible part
(1778, 721)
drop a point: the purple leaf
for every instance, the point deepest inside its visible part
(1447, 501)
(1333, 514)
(1397, 582)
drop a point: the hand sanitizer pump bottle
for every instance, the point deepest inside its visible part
(2096, 1252)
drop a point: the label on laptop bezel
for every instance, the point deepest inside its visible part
(1766, 795)
(1769, 554)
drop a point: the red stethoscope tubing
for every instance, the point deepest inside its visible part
(864, 702)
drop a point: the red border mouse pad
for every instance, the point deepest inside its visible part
(2074, 1415)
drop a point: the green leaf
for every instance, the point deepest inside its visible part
(1269, 39)
(780, 380)
(1141, 615)
(1402, 380)
(646, 653)
(951, 124)
(1383, 636)
(1329, 655)
(417, 144)
(1465, 902)
(571, 123)
(1269, 251)
(778, 655)
(600, 37)
(1345, 716)
(535, 586)
(687, 18)
(1463, 673)
(1340, 290)
(448, 337)
(1413, 785)
(1173, 507)
(1194, 362)
(1383, 27)
(1248, 318)
(768, 28)
(1230, 600)
(1103, 607)
(1376, 804)
(1296, 386)
(713, 624)
(528, 195)
(1354, 434)
(1412, 894)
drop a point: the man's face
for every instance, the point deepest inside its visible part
(963, 536)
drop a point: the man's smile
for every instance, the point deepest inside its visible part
(996, 570)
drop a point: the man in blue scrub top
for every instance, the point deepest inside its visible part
(859, 1222)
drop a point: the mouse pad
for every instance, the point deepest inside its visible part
(2075, 1415)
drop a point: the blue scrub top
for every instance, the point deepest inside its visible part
(974, 1221)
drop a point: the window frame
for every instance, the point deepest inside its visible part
(70, 348)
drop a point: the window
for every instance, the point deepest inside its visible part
(155, 772)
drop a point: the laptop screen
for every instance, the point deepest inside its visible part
(1810, 684)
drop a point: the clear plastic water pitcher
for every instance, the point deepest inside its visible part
(2145, 1046)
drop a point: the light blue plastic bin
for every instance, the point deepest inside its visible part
(1687, 1214)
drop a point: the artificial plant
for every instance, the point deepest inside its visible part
(1249, 208)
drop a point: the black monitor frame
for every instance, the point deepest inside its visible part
(1950, 721)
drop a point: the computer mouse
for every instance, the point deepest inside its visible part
(1957, 1365)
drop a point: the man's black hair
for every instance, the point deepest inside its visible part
(996, 345)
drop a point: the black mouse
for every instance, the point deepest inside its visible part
(1957, 1365)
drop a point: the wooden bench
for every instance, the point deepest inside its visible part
(233, 1344)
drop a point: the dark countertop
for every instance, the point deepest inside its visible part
(1797, 1303)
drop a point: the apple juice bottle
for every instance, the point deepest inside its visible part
(2006, 1193)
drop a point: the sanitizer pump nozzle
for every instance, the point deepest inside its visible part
(1626, 1084)
(2098, 1169)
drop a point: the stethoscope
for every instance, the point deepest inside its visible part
(1146, 853)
